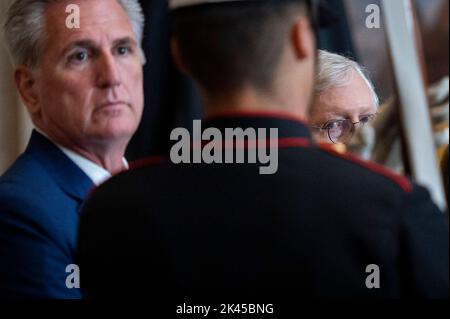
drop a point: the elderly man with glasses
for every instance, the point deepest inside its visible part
(345, 99)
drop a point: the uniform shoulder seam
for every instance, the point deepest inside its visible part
(401, 181)
(133, 165)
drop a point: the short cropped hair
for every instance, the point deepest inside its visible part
(24, 28)
(334, 70)
(230, 45)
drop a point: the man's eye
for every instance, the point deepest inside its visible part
(366, 119)
(331, 125)
(123, 50)
(79, 57)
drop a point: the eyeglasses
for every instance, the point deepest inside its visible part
(341, 131)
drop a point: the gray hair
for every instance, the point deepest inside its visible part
(334, 70)
(25, 23)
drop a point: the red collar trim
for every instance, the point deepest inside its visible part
(403, 182)
(245, 144)
(148, 161)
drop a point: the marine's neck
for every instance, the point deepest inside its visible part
(252, 101)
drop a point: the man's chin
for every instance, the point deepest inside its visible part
(116, 133)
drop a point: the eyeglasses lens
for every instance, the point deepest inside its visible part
(341, 131)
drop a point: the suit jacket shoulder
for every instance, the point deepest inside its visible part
(40, 196)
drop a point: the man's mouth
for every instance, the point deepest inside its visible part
(112, 105)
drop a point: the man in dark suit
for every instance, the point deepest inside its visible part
(79, 73)
(300, 221)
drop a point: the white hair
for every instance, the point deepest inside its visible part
(25, 24)
(335, 70)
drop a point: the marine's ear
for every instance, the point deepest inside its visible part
(177, 56)
(302, 39)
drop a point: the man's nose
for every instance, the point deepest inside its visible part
(108, 74)
(355, 120)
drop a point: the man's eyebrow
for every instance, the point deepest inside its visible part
(125, 40)
(348, 112)
(78, 44)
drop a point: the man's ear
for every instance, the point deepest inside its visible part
(303, 39)
(25, 81)
(176, 54)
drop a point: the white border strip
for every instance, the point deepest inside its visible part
(415, 114)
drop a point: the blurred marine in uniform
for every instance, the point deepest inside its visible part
(318, 225)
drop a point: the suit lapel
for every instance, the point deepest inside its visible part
(72, 180)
